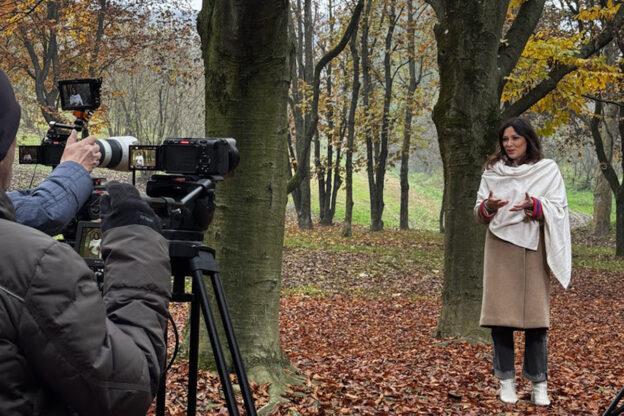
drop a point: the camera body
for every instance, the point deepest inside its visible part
(213, 156)
(183, 198)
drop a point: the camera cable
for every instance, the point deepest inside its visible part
(32, 178)
(177, 343)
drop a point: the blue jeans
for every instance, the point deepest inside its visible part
(535, 367)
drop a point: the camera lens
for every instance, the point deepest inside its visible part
(115, 152)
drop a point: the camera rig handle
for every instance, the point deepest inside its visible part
(80, 123)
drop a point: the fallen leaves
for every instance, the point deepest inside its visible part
(363, 340)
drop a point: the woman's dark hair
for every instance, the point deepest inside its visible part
(524, 129)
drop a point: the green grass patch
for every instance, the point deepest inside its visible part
(582, 200)
(425, 199)
(597, 258)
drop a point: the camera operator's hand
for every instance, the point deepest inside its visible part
(122, 205)
(85, 152)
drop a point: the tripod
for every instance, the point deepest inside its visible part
(190, 257)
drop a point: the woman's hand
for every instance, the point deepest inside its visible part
(493, 204)
(526, 204)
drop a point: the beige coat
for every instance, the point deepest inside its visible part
(516, 285)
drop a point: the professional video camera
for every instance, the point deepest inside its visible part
(203, 157)
(183, 197)
(184, 200)
(83, 97)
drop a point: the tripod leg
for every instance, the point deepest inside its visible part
(162, 388)
(191, 405)
(234, 350)
(200, 288)
(613, 410)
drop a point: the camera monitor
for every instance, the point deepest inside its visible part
(80, 94)
(88, 242)
(143, 157)
(29, 154)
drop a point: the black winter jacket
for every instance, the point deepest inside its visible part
(65, 348)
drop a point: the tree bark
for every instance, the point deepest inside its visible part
(324, 171)
(610, 174)
(367, 90)
(247, 67)
(355, 91)
(377, 150)
(328, 172)
(601, 222)
(302, 192)
(44, 61)
(467, 116)
(407, 124)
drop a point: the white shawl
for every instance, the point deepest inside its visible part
(542, 180)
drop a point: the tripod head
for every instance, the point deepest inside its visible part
(185, 204)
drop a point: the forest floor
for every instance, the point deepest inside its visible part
(358, 317)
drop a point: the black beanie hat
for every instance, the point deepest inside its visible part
(10, 112)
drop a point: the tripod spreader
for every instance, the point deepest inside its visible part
(194, 259)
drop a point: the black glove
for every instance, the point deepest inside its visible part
(122, 205)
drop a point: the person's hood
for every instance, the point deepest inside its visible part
(10, 113)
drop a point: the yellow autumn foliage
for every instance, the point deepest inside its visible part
(550, 48)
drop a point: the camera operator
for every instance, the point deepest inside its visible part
(64, 348)
(51, 206)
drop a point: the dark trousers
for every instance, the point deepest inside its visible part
(535, 366)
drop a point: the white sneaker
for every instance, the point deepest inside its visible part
(539, 395)
(508, 391)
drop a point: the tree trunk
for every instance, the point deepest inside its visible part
(367, 90)
(302, 68)
(610, 173)
(407, 125)
(247, 61)
(324, 170)
(48, 64)
(377, 150)
(619, 194)
(466, 117)
(304, 214)
(619, 224)
(601, 223)
(355, 90)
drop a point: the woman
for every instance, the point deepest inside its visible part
(523, 200)
(75, 98)
(95, 244)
